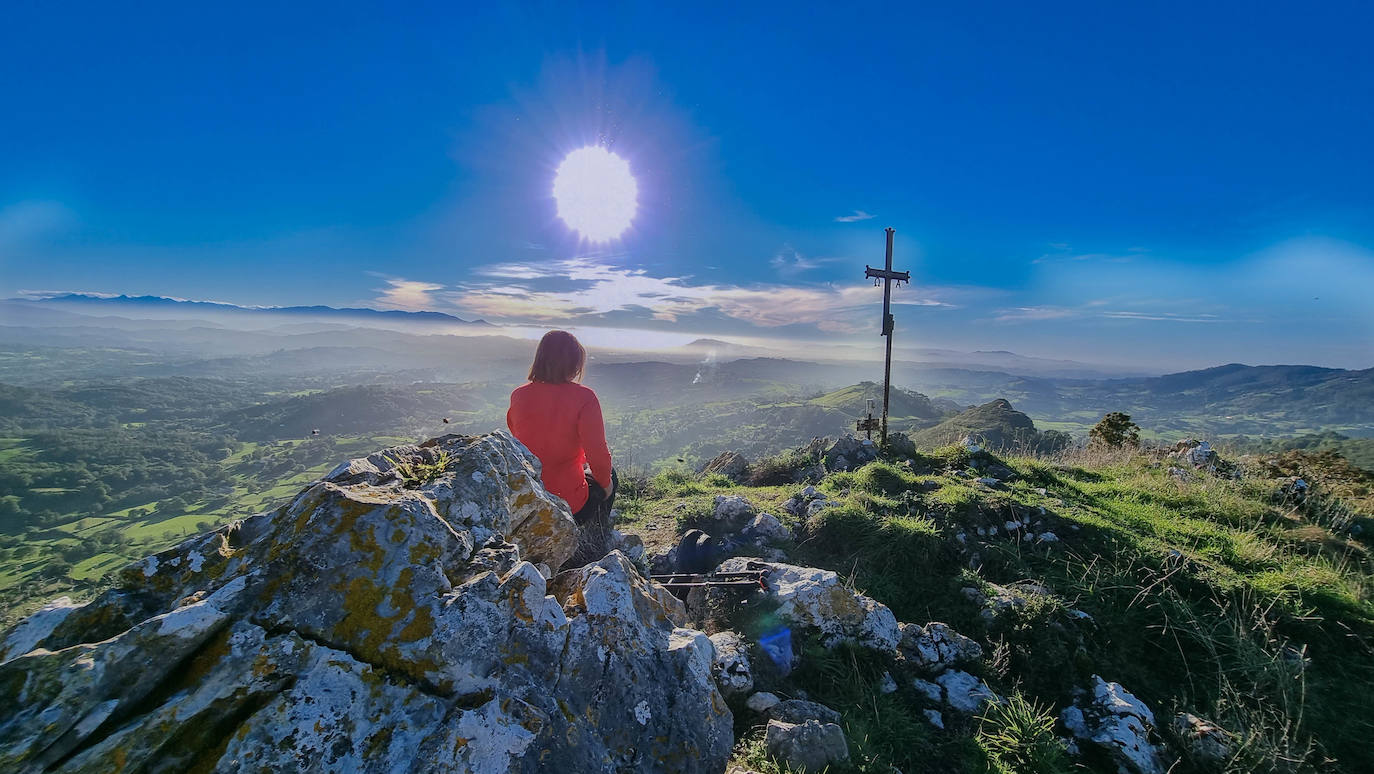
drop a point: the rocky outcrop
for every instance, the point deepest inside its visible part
(1115, 724)
(731, 668)
(1198, 454)
(848, 453)
(816, 599)
(730, 464)
(964, 692)
(731, 512)
(808, 747)
(935, 647)
(1206, 742)
(389, 618)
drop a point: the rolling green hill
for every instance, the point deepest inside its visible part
(996, 425)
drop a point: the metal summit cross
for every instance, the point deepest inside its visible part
(888, 276)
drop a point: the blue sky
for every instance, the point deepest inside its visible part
(1170, 184)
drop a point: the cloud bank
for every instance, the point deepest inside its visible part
(587, 290)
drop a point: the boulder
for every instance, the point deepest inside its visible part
(816, 506)
(1198, 454)
(848, 453)
(761, 702)
(901, 445)
(964, 692)
(931, 691)
(808, 747)
(816, 599)
(732, 512)
(389, 618)
(628, 544)
(765, 528)
(730, 667)
(1205, 741)
(730, 464)
(1116, 724)
(935, 647)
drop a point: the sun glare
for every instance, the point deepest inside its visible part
(596, 194)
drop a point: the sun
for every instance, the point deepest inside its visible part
(596, 194)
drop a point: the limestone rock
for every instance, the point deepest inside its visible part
(381, 622)
(732, 512)
(816, 599)
(1198, 454)
(1116, 723)
(762, 701)
(848, 453)
(931, 690)
(964, 692)
(1205, 741)
(36, 628)
(816, 506)
(935, 647)
(731, 664)
(730, 464)
(901, 445)
(628, 544)
(767, 529)
(806, 747)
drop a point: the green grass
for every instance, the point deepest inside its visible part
(97, 566)
(178, 526)
(1200, 595)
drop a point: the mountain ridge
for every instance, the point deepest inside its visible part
(147, 302)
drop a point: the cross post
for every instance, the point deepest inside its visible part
(887, 276)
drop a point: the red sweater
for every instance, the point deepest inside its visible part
(562, 425)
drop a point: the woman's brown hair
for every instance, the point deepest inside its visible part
(559, 358)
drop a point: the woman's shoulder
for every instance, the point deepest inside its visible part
(581, 391)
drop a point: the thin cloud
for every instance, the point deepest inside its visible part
(596, 288)
(409, 295)
(1165, 317)
(1091, 310)
(1031, 313)
(857, 216)
(1063, 252)
(788, 262)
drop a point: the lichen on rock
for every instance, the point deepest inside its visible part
(380, 621)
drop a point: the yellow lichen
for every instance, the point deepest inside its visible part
(421, 625)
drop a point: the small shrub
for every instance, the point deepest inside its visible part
(1019, 735)
(785, 468)
(1115, 430)
(417, 473)
(718, 480)
(675, 482)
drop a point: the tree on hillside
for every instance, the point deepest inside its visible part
(1115, 430)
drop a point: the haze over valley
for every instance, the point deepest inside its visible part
(121, 431)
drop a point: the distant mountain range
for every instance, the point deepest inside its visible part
(175, 308)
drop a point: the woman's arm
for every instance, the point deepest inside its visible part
(591, 432)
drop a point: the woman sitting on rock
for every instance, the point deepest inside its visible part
(559, 420)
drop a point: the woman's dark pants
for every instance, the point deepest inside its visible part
(594, 522)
